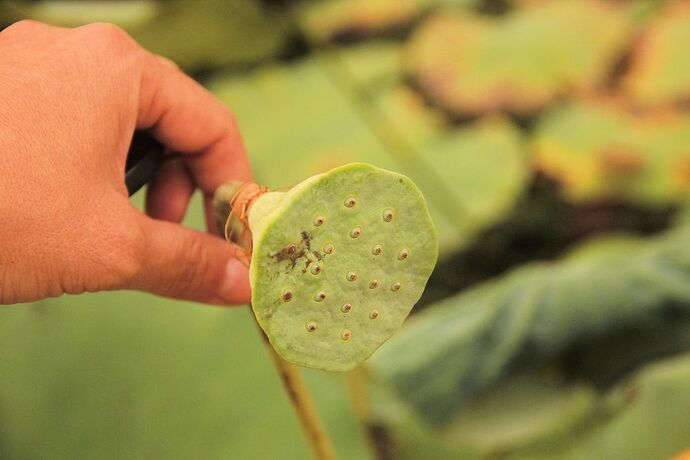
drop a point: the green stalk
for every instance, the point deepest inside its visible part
(290, 375)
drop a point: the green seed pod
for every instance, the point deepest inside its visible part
(346, 312)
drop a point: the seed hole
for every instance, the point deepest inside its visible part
(402, 255)
(374, 314)
(377, 250)
(351, 276)
(291, 249)
(356, 232)
(315, 269)
(387, 215)
(311, 326)
(319, 221)
(346, 335)
(287, 296)
(329, 249)
(350, 202)
(320, 296)
(395, 286)
(374, 284)
(346, 307)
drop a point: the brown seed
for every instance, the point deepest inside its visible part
(320, 296)
(377, 250)
(374, 314)
(287, 296)
(315, 269)
(351, 276)
(374, 284)
(395, 286)
(356, 232)
(346, 334)
(402, 255)
(387, 215)
(350, 201)
(346, 307)
(311, 326)
(319, 221)
(328, 249)
(291, 249)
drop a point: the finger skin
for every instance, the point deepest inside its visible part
(70, 100)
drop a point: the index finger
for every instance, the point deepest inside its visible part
(188, 119)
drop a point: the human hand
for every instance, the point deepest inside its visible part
(70, 100)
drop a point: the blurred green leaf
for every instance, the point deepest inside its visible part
(517, 63)
(660, 69)
(598, 150)
(449, 353)
(195, 35)
(130, 375)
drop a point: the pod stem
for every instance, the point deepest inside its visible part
(232, 223)
(304, 407)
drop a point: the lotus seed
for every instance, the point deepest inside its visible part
(350, 202)
(387, 215)
(374, 314)
(377, 250)
(374, 284)
(346, 308)
(315, 269)
(320, 296)
(346, 334)
(395, 286)
(356, 232)
(328, 249)
(319, 221)
(311, 326)
(287, 296)
(351, 276)
(402, 255)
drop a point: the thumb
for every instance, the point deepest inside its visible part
(182, 263)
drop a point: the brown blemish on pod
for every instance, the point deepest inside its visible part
(311, 326)
(402, 255)
(315, 269)
(320, 296)
(319, 221)
(387, 215)
(374, 314)
(350, 202)
(287, 295)
(346, 335)
(351, 276)
(329, 249)
(395, 286)
(377, 250)
(355, 232)
(346, 308)
(373, 284)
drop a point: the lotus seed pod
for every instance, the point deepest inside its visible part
(328, 322)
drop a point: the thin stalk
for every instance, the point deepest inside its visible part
(290, 375)
(304, 407)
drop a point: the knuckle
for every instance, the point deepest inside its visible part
(25, 25)
(123, 261)
(108, 36)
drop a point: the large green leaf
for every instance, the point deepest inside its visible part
(310, 117)
(660, 69)
(129, 375)
(449, 353)
(598, 150)
(518, 63)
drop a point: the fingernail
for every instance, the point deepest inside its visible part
(234, 288)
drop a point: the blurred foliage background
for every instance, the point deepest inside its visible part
(552, 141)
